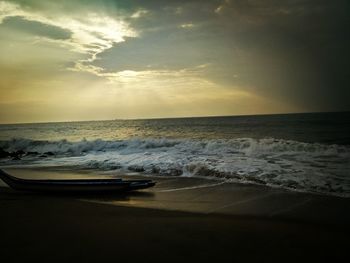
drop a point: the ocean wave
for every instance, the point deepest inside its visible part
(289, 164)
(247, 145)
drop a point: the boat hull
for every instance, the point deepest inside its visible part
(75, 185)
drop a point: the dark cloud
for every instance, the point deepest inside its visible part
(36, 28)
(293, 51)
(300, 53)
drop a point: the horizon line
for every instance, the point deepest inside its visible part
(178, 117)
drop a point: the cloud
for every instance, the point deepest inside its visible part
(90, 33)
(187, 25)
(236, 55)
(148, 77)
(139, 13)
(36, 28)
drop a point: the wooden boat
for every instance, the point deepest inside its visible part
(74, 185)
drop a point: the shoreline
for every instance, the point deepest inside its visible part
(250, 223)
(67, 172)
(198, 195)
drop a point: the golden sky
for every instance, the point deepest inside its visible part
(89, 60)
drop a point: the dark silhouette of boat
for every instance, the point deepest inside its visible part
(74, 185)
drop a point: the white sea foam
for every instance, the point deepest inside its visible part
(283, 163)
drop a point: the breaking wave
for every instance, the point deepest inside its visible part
(311, 167)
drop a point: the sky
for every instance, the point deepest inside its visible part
(108, 59)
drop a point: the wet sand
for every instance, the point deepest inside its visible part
(181, 219)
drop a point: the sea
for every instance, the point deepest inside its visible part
(307, 152)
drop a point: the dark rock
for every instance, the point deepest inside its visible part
(4, 154)
(49, 153)
(15, 155)
(20, 152)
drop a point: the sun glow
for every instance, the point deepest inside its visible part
(81, 60)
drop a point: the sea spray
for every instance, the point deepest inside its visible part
(313, 167)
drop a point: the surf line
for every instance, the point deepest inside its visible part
(190, 187)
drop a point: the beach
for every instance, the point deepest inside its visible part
(197, 131)
(180, 219)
